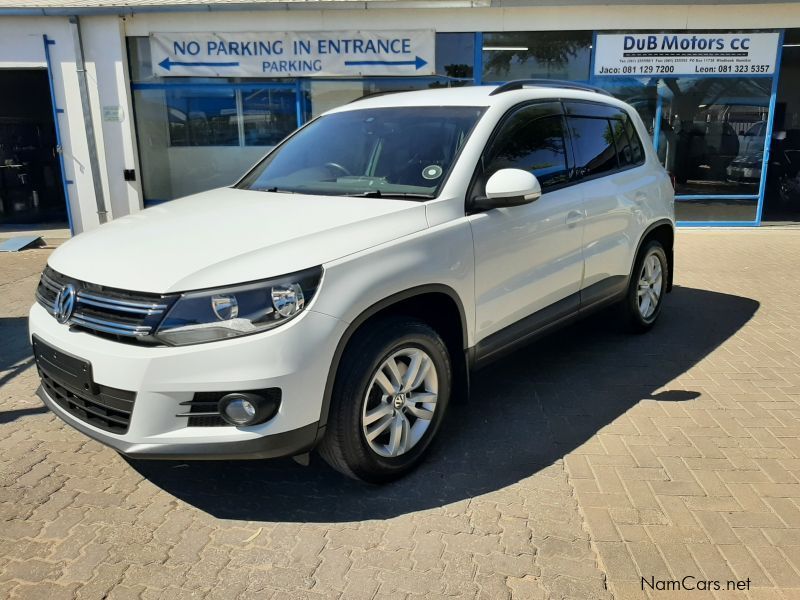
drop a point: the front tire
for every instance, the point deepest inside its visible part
(389, 398)
(648, 285)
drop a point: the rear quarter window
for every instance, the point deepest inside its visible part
(637, 150)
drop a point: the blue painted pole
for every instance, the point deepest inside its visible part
(477, 62)
(762, 186)
(298, 102)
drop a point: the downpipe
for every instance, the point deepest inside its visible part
(88, 121)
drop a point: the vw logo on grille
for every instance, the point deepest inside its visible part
(64, 303)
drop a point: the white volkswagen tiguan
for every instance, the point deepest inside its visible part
(337, 296)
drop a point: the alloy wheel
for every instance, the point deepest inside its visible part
(651, 284)
(400, 402)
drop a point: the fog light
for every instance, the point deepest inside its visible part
(243, 409)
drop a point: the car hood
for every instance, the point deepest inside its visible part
(229, 236)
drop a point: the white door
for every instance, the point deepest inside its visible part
(528, 257)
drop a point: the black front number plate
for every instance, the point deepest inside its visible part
(68, 370)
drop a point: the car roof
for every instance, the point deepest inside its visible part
(476, 95)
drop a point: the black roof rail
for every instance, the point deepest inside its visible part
(518, 84)
(375, 95)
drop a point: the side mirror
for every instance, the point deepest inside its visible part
(509, 187)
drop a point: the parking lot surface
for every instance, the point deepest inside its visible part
(581, 465)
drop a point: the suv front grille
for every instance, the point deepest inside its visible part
(109, 312)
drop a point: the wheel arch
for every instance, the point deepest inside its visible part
(662, 230)
(431, 303)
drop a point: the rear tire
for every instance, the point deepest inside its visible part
(648, 285)
(390, 395)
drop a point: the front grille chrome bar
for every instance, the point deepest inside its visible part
(141, 308)
(109, 326)
(102, 310)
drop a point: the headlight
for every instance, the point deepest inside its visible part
(222, 313)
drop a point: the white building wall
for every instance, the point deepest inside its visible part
(106, 59)
(535, 18)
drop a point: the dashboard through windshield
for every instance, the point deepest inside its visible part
(392, 152)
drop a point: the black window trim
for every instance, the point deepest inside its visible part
(617, 110)
(479, 166)
(573, 177)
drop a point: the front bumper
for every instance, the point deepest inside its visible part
(288, 443)
(295, 358)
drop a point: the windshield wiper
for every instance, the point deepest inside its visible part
(380, 194)
(275, 190)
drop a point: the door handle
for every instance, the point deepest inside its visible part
(574, 216)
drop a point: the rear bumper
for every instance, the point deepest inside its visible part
(287, 443)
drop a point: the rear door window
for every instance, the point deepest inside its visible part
(593, 142)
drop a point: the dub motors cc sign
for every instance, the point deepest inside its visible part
(666, 54)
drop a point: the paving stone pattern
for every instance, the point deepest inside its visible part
(580, 465)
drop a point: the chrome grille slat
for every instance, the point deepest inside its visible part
(109, 326)
(50, 284)
(127, 316)
(45, 302)
(126, 305)
(49, 281)
(83, 299)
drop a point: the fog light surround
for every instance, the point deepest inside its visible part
(244, 409)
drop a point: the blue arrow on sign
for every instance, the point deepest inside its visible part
(418, 62)
(168, 64)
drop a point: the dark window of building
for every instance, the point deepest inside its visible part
(533, 143)
(593, 141)
(537, 54)
(268, 115)
(202, 117)
(455, 54)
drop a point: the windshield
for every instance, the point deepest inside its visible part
(401, 152)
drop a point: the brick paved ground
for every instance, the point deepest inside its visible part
(585, 462)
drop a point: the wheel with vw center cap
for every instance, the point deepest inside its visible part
(389, 397)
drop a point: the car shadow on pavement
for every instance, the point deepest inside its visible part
(16, 354)
(525, 412)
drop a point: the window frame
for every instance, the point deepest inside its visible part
(579, 173)
(480, 166)
(603, 111)
(606, 112)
